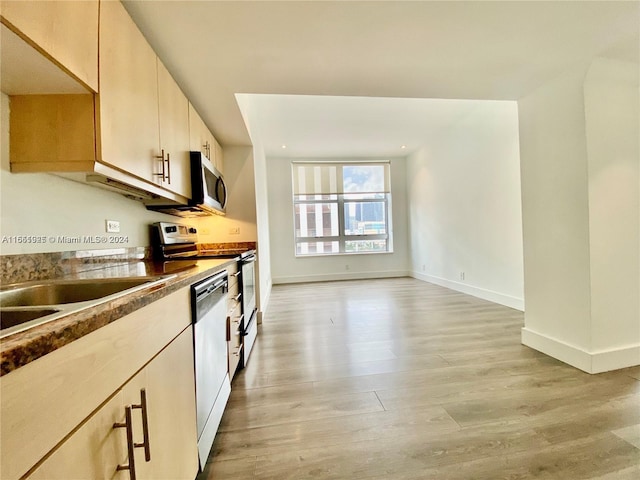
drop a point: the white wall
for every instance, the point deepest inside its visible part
(287, 268)
(555, 210)
(43, 204)
(581, 212)
(264, 241)
(464, 206)
(263, 264)
(613, 136)
(241, 203)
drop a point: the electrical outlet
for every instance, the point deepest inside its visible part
(205, 231)
(461, 275)
(234, 231)
(112, 226)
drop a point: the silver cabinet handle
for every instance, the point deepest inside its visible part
(145, 425)
(235, 274)
(162, 175)
(128, 424)
(237, 297)
(168, 178)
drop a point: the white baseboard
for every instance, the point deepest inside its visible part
(590, 362)
(495, 297)
(606, 360)
(329, 277)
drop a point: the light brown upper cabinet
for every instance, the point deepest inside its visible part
(65, 32)
(127, 106)
(173, 108)
(202, 140)
(136, 126)
(219, 156)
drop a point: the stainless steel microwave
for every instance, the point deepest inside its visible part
(208, 191)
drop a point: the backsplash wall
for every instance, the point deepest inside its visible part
(239, 224)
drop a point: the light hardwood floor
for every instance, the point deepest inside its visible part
(396, 379)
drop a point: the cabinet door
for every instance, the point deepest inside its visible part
(94, 451)
(199, 136)
(169, 386)
(127, 109)
(66, 32)
(219, 156)
(173, 108)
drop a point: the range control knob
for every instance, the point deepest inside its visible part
(193, 230)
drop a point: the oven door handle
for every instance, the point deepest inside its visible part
(246, 329)
(249, 258)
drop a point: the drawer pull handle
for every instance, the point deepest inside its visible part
(145, 425)
(236, 274)
(237, 297)
(162, 174)
(128, 424)
(168, 178)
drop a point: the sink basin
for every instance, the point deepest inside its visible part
(60, 292)
(13, 318)
(26, 305)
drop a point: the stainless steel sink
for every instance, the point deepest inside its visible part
(11, 317)
(25, 305)
(60, 292)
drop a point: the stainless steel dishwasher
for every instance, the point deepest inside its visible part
(209, 306)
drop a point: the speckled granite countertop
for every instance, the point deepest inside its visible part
(21, 348)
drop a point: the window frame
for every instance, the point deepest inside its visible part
(339, 199)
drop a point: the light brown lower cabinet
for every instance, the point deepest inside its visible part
(162, 393)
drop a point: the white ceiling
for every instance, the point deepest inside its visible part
(289, 53)
(351, 127)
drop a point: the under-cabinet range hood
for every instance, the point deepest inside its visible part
(108, 178)
(119, 187)
(153, 197)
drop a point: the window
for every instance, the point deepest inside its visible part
(341, 207)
